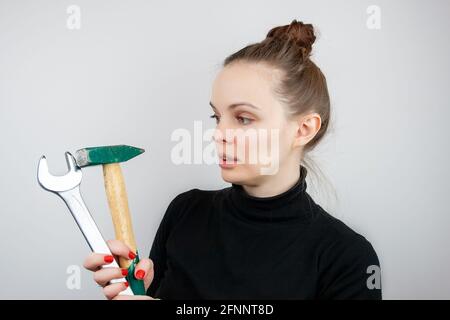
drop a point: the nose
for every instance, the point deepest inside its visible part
(223, 134)
(220, 137)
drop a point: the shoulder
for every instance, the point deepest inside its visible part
(196, 195)
(343, 242)
(348, 264)
(337, 234)
(193, 198)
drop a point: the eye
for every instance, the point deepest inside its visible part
(244, 120)
(215, 117)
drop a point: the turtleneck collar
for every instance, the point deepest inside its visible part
(284, 206)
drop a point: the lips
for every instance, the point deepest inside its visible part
(227, 158)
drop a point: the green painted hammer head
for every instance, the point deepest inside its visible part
(105, 154)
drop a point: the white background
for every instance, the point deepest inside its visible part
(138, 70)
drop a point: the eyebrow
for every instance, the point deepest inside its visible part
(234, 105)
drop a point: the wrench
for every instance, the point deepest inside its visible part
(68, 188)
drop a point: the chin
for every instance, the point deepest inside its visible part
(234, 175)
(237, 175)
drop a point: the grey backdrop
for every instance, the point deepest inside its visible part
(137, 70)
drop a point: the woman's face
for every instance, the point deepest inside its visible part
(253, 129)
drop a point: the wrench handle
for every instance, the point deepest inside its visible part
(89, 229)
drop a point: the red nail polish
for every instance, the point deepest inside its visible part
(108, 258)
(124, 272)
(140, 274)
(131, 255)
(126, 284)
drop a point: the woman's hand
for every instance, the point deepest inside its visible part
(143, 271)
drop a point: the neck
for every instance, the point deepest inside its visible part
(272, 185)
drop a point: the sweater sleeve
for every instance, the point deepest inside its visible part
(350, 270)
(158, 249)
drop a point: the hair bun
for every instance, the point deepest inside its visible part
(297, 31)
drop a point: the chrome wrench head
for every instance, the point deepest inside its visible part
(67, 187)
(52, 183)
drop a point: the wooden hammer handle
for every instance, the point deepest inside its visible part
(118, 204)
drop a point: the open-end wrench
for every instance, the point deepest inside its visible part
(68, 188)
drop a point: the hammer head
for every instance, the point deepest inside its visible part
(105, 154)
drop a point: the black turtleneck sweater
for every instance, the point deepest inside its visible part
(226, 244)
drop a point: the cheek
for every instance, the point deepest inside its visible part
(285, 142)
(247, 148)
(256, 148)
(252, 145)
(278, 141)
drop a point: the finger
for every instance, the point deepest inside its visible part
(113, 289)
(127, 297)
(144, 271)
(95, 260)
(105, 275)
(119, 248)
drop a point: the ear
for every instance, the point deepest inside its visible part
(307, 127)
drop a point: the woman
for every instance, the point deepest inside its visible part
(264, 237)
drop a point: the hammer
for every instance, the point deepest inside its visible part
(110, 157)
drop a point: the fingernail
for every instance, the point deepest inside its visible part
(131, 255)
(140, 274)
(108, 258)
(124, 272)
(126, 284)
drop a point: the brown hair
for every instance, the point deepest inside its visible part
(303, 86)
